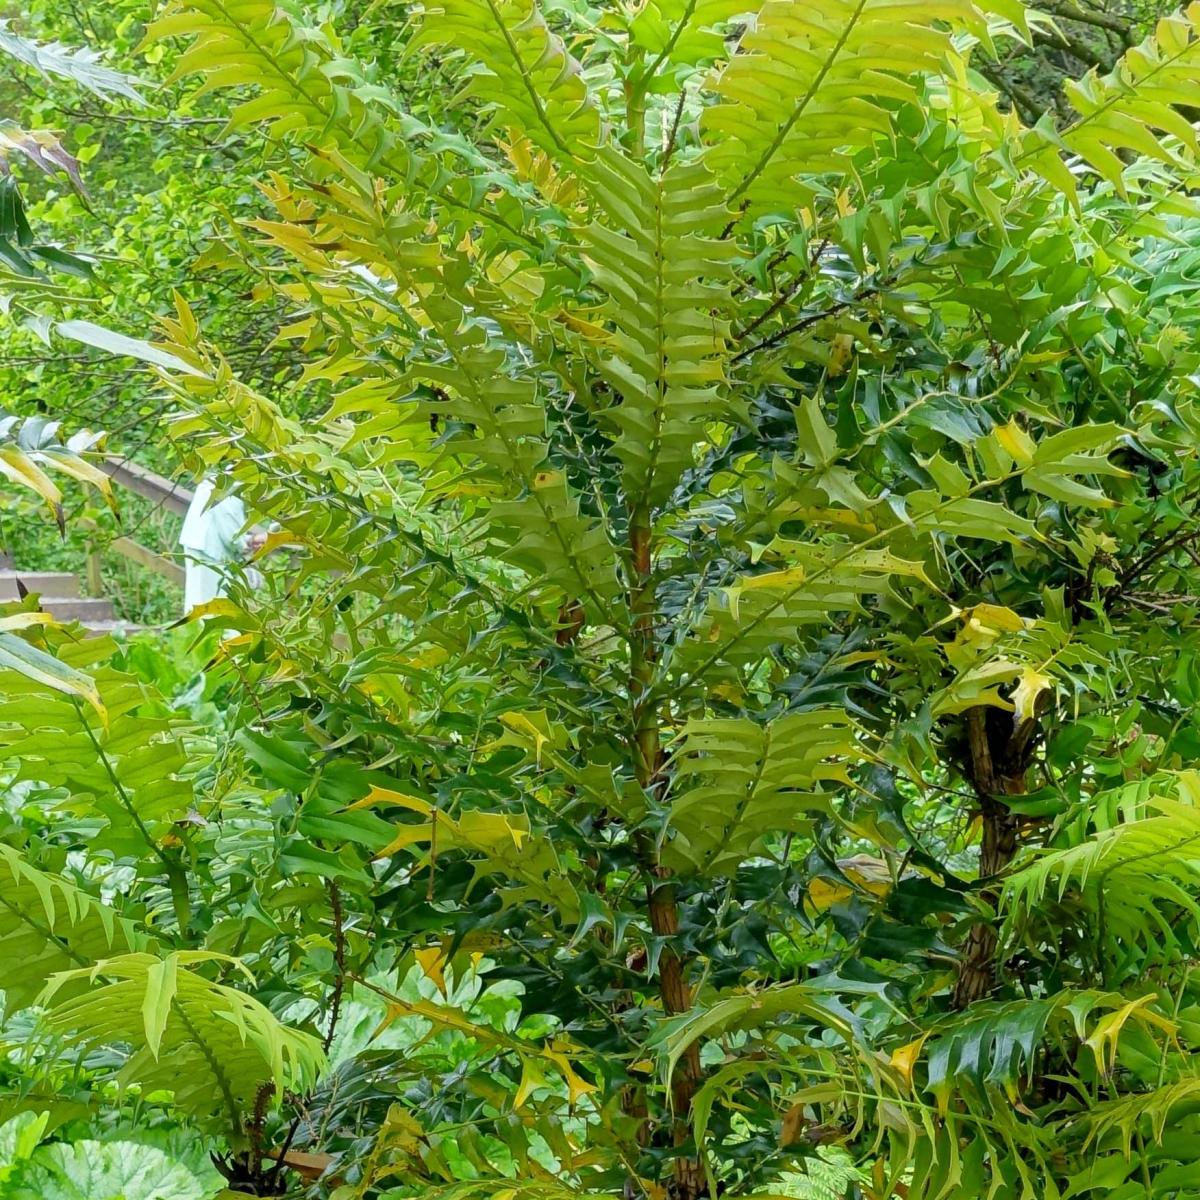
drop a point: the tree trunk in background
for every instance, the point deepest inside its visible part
(999, 754)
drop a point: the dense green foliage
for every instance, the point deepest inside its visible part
(158, 179)
(720, 716)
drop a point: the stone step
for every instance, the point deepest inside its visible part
(90, 610)
(44, 583)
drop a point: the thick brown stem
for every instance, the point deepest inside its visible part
(676, 995)
(999, 757)
(688, 1182)
(647, 746)
(977, 966)
(571, 619)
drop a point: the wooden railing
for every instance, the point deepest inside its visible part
(164, 493)
(174, 497)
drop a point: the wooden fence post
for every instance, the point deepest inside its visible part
(95, 580)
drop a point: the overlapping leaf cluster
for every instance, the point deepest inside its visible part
(100, 777)
(735, 477)
(740, 598)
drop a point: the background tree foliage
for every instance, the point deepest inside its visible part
(721, 716)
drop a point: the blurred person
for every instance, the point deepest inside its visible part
(215, 543)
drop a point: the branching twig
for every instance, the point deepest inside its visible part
(1090, 16)
(674, 134)
(335, 1009)
(784, 296)
(804, 323)
(339, 959)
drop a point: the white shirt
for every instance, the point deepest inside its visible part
(212, 538)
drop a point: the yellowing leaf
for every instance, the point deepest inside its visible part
(18, 655)
(220, 607)
(522, 725)
(988, 620)
(792, 577)
(795, 1122)
(279, 539)
(577, 1086)
(870, 873)
(822, 893)
(432, 960)
(1105, 1037)
(980, 685)
(590, 329)
(25, 620)
(840, 352)
(1025, 696)
(433, 656)
(531, 730)
(378, 795)
(904, 1058)
(20, 468)
(1016, 441)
